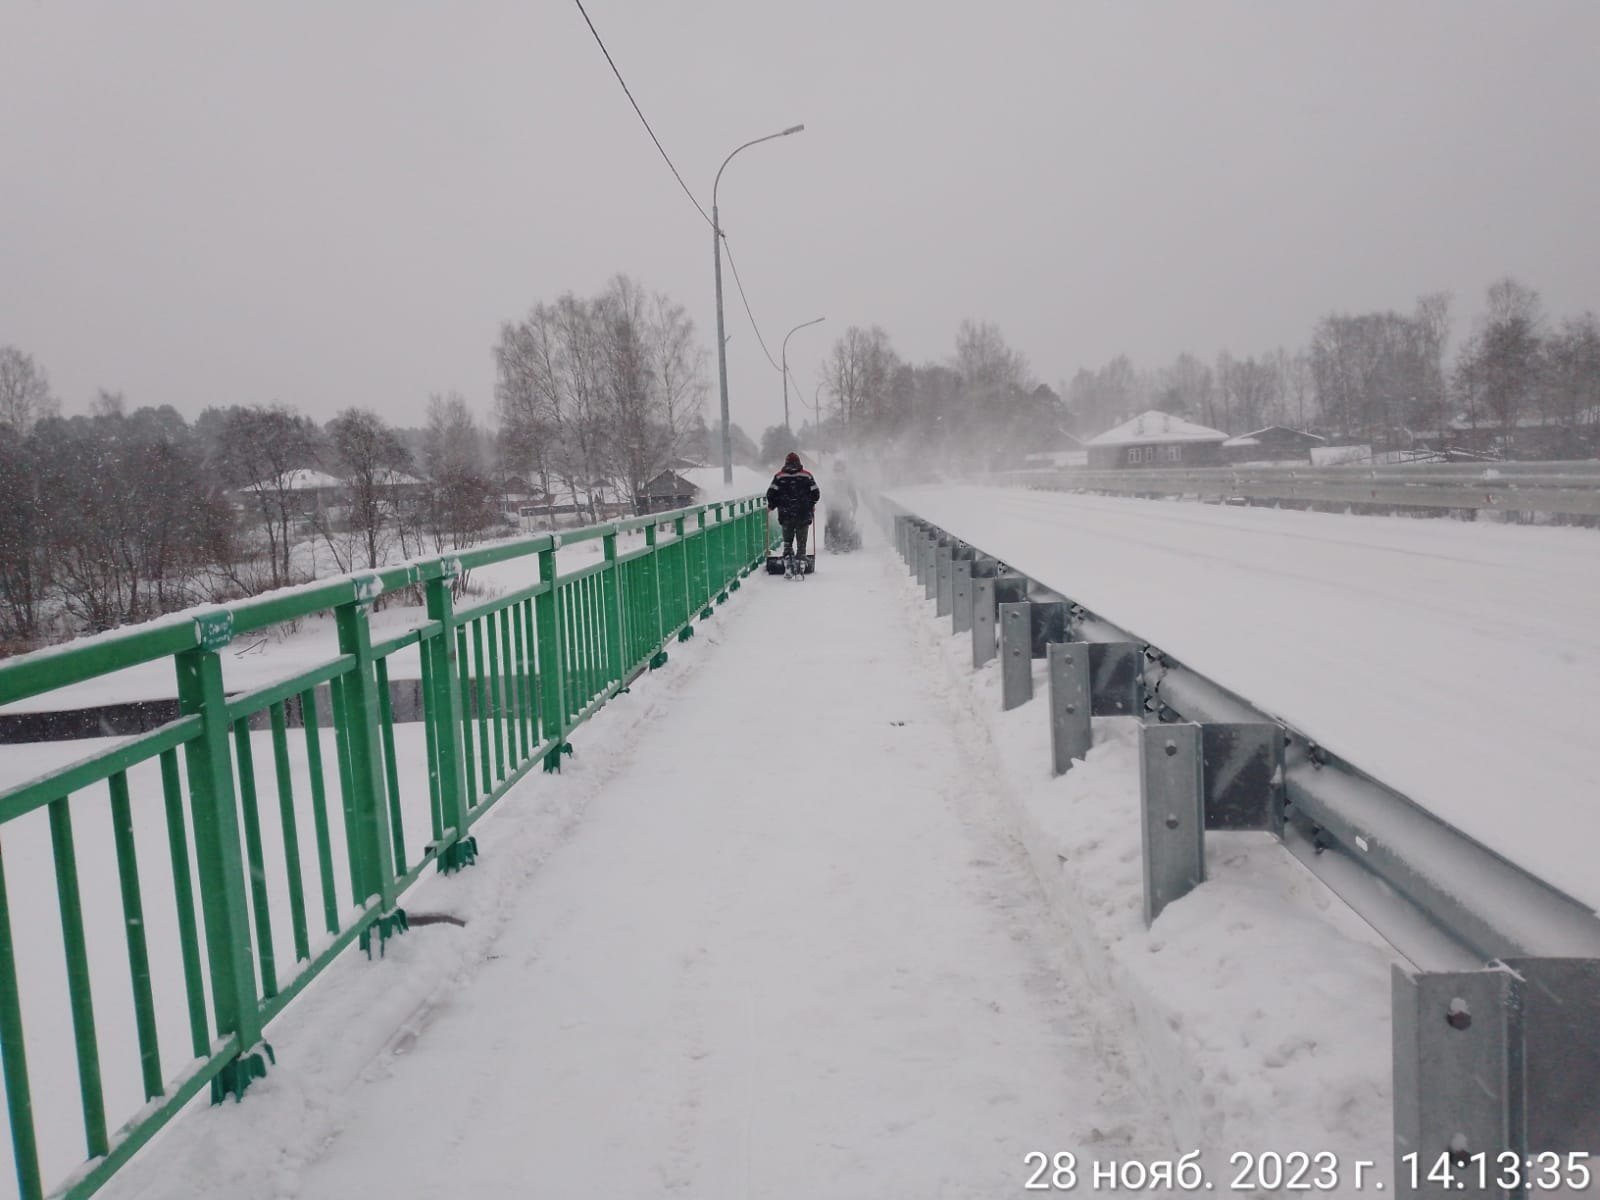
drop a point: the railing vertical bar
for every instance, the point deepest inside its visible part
(430, 736)
(319, 807)
(464, 686)
(496, 707)
(510, 687)
(183, 895)
(14, 1056)
(481, 704)
(530, 687)
(516, 676)
(251, 816)
(290, 830)
(397, 835)
(80, 998)
(144, 1003)
(347, 788)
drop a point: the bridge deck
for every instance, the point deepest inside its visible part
(785, 952)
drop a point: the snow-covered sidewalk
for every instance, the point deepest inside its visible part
(783, 946)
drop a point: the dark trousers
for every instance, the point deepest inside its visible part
(793, 534)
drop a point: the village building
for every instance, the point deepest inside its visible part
(1156, 439)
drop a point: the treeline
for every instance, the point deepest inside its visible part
(981, 407)
(123, 514)
(1522, 383)
(120, 514)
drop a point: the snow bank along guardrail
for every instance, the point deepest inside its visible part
(1568, 488)
(504, 684)
(1496, 1034)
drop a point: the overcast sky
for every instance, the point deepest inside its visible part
(335, 204)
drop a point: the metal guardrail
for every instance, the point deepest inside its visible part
(504, 683)
(1497, 1020)
(1570, 488)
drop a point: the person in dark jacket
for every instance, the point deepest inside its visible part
(794, 494)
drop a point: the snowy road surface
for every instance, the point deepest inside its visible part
(785, 952)
(1458, 663)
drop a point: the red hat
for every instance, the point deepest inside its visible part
(791, 459)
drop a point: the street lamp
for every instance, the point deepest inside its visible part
(716, 258)
(785, 368)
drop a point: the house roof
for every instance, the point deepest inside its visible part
(1154, 427)
(669, 483)
(1253, 438)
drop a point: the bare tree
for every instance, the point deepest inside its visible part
(263, 453)
(24, 391)
(369, 456)
(458, 505)
(1500, 367)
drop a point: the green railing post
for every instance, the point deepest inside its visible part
(218, 857)
(659, 649)
(703, 593)
(444, 715)
(552, 684)
(616, 617)
(719, 554)
(683, 611)
(367, 802)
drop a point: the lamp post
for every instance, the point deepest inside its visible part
(785, 368)
(716, 258)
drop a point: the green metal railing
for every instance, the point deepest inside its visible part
(502, 685)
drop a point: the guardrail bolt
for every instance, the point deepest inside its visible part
(1171, 748)
(1458, 1016)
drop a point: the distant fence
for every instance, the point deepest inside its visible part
(503, 684)
(1570, 488)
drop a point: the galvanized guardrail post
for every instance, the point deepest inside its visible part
(217, 855)
(1070, 704)
(1501, 1063)
(1172, 828)
(961, 596)
(1016, 655)
(984, 640)
(943, 559)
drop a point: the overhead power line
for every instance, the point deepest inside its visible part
(728, 246)
(665, 157)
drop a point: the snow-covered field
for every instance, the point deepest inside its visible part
(1459, 663)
